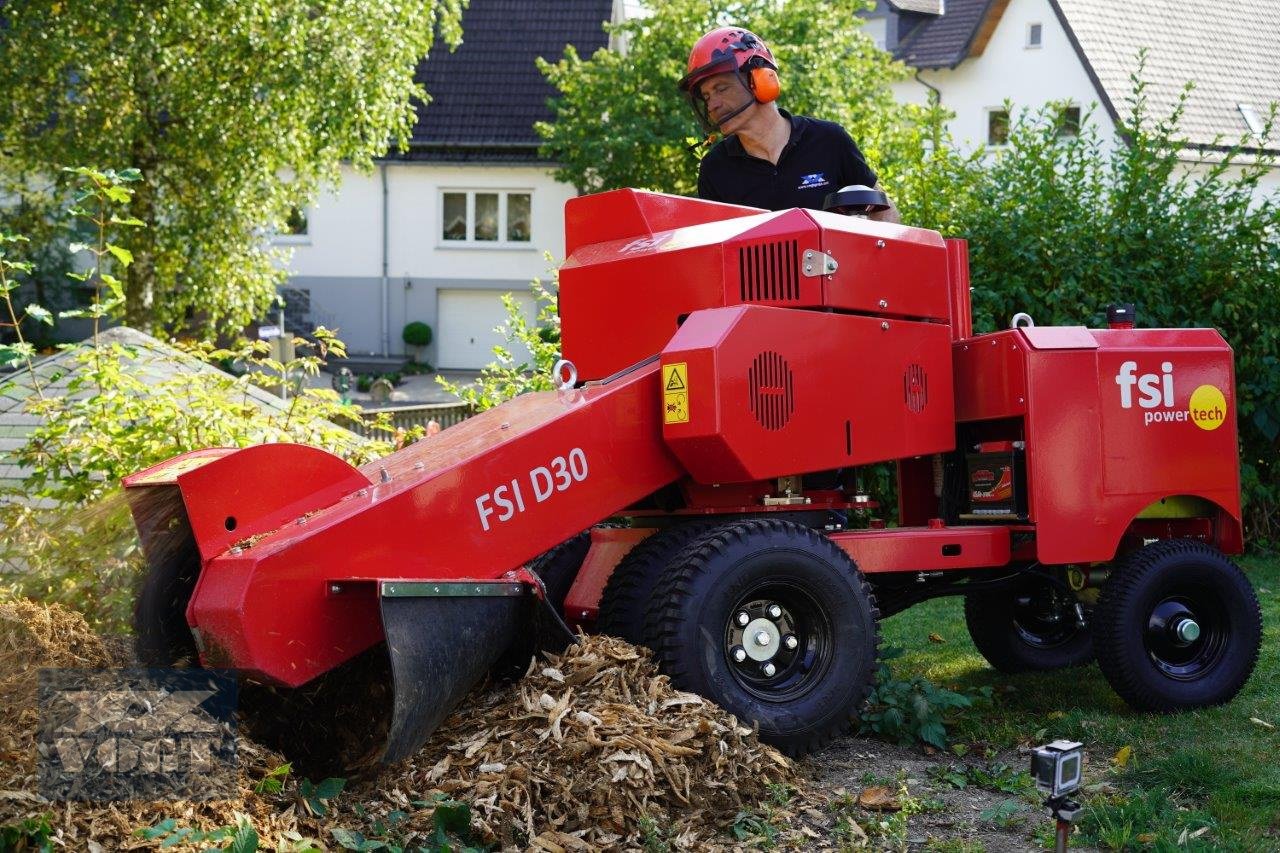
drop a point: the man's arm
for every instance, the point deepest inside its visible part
(890, 215)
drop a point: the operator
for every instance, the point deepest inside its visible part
(768, 157)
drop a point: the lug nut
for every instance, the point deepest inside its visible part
(770, 670)
(743, 618)
(791, 642)
(739, 654)
(774, 611)
(762, 638)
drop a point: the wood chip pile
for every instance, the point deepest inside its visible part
(591, 742)
(585, 752)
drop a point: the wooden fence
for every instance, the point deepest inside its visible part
(407, 417)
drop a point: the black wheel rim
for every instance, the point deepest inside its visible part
(778, 641)
(1186, 632)
(1044, 617)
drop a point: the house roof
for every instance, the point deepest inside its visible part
(946, 40)
(487, 94)
(1230, 48)
(155, 359)
(924, 7)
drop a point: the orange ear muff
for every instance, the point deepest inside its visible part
(764, 84)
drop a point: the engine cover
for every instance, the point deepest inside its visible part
(753, 392)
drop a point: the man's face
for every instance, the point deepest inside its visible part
(722, 94)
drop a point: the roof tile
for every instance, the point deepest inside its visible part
(487, 94)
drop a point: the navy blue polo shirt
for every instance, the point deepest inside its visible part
(819, 158)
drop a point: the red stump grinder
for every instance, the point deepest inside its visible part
(727, 373)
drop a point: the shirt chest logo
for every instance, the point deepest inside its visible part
(813, 181)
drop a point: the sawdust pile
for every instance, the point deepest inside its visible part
(583, 753)
(587, 745)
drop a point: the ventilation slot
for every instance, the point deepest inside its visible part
(770, 272)
(915, 388)
(772, 390)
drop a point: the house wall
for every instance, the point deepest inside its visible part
(1029, 77)
(339, 260)
(1008, 69)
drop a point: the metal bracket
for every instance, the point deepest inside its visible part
(451, 589)
(818, 263)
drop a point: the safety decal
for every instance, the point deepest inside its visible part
(675, 393)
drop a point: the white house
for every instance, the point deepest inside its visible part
(439, 233)
(976, 54)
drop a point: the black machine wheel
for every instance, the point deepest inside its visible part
(773, 622)
(558, 568)
(1177, 626)
(1029, 626)
(625, 601)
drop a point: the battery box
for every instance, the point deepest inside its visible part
(996, 482)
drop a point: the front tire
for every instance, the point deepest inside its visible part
(774, 623)
(624, 604)
(1177, 626)
(1028, 626)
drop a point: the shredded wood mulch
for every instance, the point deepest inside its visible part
(592, 749)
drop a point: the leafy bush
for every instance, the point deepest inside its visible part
(505, 377)
(1061, 226)
(914, 709)
(417, 334)
(118, 408)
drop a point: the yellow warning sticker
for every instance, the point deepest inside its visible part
(675, 393)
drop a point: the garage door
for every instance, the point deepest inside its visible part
(467, 319)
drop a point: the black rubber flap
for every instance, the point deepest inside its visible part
(440, 648)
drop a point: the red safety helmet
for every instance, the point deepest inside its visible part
(730, 49)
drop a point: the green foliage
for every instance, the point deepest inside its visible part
(1004, 813)
(417, 334)
(913, 709)
(996, 776)
(164, 86)
(28, 834)
(274, 780)
(119, 408)
(1061, 226)
(654, 838)
(620, 122)
(241, 838)
(506, 378)
(315, 797)
(1155, 818)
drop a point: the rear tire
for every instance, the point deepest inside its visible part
(809, 615)
(1177, 626)
(624, 605)
(1029, 626)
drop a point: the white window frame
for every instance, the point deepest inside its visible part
(303, 239)
(986, 126)
(471, 242)
(1030, 45)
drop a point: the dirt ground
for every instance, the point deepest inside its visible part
(857, 793)
(950, 817)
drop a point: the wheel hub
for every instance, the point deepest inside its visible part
(1185, 635)
(766, 639)
(772, 649)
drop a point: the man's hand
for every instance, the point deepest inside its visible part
(890, 215)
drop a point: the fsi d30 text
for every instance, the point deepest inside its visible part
(542, 482)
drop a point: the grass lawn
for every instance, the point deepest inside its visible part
(1211, 768)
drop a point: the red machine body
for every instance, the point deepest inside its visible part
(728, 354)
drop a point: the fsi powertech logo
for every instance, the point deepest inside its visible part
(1207, 408)
(136, 734)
